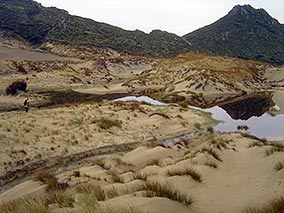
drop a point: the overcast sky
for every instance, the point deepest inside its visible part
(176, 16)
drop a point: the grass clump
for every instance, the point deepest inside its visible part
(210, 129)
(115, 176)
(155, 189)
(153, 162)
(40, 205)
(89, 204)
(197, 125)
(185, 171)
(274, 206)
(91, 188)
(274, 149)
(106, 123)
(256, 143)
(62, 198)
(211, 152)
(211, 164)
(48, 178)
(140, 176)
(278, 166)
(25, 206)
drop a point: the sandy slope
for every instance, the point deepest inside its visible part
(244, 176)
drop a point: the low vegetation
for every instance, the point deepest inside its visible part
(185, 171)
(211, 152)
(87, 202)
(278, 166)
(91, 188)
(47, 177)
(106, 123)
(211, 164)
(274, 206)
(274, 149)
(156, 189)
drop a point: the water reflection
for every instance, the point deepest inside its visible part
(247, 108)
(254, 112)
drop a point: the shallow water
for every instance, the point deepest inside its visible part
(264, 126)
(257, 113)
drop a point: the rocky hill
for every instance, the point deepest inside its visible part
(38, 24)
(244, 32)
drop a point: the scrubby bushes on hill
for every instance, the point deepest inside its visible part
(13, 88)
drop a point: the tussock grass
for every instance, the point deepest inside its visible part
(99, 162)
(219, 143)
(91, 188)
(118, 161)
(212, 152)
(274, 206)
(256, 143)
(106, 123)
(155, 189)
(246, 135)
(211, 164)
(64, 199)
(278, 166)
(89, 204)
(210, 129)
(186, 152)
(47, 177)
(115, 176)
(140, 176)
(185, 171)
(40, 205)
(153, 162)
(111, 192)
(24, 206)
(273, 150)
(197, 125)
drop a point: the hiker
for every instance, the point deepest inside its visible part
(27, 104)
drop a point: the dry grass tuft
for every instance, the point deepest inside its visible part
(48, 178)
(155, 189)
(274, 206)
(185, 171)
(211, 164)
(91, 188)
(211, 152)
(24, 206)
(197, 126)
(278, 166)
(153, 162)
(256, 143)
(106, 123)
(276, 147)
(140, 176)
(115, 176)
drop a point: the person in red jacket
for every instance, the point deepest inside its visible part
(27, 104)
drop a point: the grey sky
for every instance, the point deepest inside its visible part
(176, 16)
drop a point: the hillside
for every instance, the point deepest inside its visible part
(244, 32)
(38, 24)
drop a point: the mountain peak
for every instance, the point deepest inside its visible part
(244, 32)
(246, 10)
